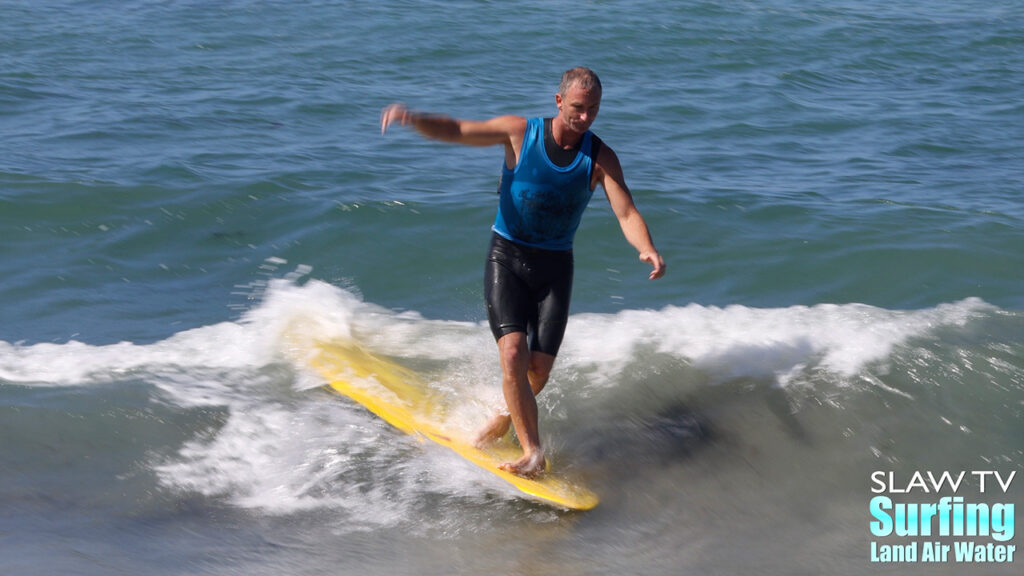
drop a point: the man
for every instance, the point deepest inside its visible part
(551, 169)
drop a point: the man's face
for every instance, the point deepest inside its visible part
(577, 108)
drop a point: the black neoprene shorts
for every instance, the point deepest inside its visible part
(527, 290)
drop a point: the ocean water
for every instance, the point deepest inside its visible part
(836, 187)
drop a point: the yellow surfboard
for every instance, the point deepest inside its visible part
(398, 396)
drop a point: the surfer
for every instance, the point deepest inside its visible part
(551, 168)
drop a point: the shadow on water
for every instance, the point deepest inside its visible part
(663, 417)
(677, 432)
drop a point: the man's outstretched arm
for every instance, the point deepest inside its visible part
(498, 130)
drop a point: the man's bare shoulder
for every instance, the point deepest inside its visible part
(606, 159)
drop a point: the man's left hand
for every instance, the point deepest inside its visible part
(655, 260)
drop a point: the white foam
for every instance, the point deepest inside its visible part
(738, 341)
(76, 363)
(283, 459)
(321, 310)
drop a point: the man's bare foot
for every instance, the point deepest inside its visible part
(494, 429)
(529, 466)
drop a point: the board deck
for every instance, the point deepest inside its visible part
(398, 396)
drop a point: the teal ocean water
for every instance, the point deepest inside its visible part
(836, 186)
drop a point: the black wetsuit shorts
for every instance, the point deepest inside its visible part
(527, 290)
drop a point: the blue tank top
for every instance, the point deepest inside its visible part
(541, 204)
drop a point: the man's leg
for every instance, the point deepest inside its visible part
(521, 402)
(538, 373)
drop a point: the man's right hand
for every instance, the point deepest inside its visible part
(396, 112)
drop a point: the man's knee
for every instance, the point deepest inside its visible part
(513, 350)
(540, 370)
